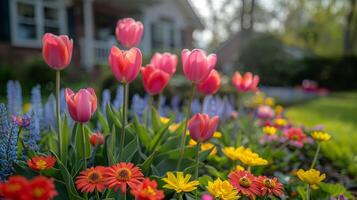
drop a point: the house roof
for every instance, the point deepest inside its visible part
(191, 14)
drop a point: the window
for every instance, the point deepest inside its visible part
(163, 35)
(30, 19)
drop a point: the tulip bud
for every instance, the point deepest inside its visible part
(129, 32)
(81, 105)
(166, 62)
(96, 139)
(57, 50)
(154, 79)
(245, 83)
(196, 65)
(211, 84)
(125, 65)
(201, 127)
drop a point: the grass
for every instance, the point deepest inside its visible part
(338, 114)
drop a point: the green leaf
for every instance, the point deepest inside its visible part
(175, 153)
(66, 132)
(155, 120)
(68, 180)
(332, 189)
(159, 135)
(140, 131)
(80, 138)
(302, 192)
(111, 147)
(130, 150)
(103, 122)
(145, 166)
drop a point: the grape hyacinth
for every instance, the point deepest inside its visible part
(118, 101)
(195, 106)
(138, 107)
(32, 136)
(50, 112)
(105, 100)
(14, 97)
(36, 106)
(8, 144)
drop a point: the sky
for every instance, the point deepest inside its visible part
(203, 37)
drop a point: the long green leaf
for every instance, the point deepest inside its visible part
(103, 122)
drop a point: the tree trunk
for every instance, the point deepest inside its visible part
(347, 39)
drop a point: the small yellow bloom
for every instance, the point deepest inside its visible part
(239, 168)
(217, 134)
(204, 147)
(245, 155)
(279, 109)
(27, 107)
(179, 183)
(321, 136)
(269, 101)
(173, 127)
(269, 130)
(280, 122)
(222, 190)
(311, 177)
(164, 120)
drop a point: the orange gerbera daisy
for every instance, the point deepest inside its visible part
(16, 187)
(91, 179)
(42, 188)
(270, 186)
(147, 190)
(123, 174)
(41, 162)
(245, 183)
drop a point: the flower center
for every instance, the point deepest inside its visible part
(38, 192)
(244, 182)
(149, 191)
(124, 174)
(41, 164)
(14, 187)
(94, 177)
(269, 183)
(295, 137)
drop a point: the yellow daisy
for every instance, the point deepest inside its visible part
(222, 190)
(312, 177)
(179, 183)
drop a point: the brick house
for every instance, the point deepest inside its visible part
(169, 25)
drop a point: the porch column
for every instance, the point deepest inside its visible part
(88, 47)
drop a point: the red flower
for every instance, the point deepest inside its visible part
(16, 188)
(81, 105)
(121, 175)
(57, 50)
(211, 84)
(202, 127)
(245, 83)
(245, 183)
(129, 32)
(41, 162)
(154, 79)
(96, 139)
(296, 136)
(147, 190)
(166, 62)
(42, 188)
(270, 186)
(91, 179)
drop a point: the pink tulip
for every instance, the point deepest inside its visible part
(196, 65)
(81, 105)
(57, 50)
(211, 84)
(166, 62)
(154, 79)
(265, 112)
(207, 197)
(245, 83)
(201, 127)
(129, 32)
(125, 65)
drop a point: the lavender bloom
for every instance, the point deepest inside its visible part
(118, 101)
(228, 108)
(22, 121)
(36, 105)
(32, 136)
(175, 103)
(105, 100)
(195, 106)
(213, 106)
(50, 112)
(138, 107)
(162, 110)
(14, 97)
(339, 197)
(8, 144)
(63, 104)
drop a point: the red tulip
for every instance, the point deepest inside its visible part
(211, 84)
(154, 79)
(245, 83)
(81, 105)
(96, 139)
(57, 50)
(125, 65)
(201, 127)
(166, 62)
(129, 32)
(196, 65)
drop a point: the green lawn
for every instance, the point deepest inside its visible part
(338, 113)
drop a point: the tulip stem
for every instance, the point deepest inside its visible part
(316, 156)
(183, 136)
(198, 147)
(58, 114)
(124, 120)
(308, 192)
(84, 147)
